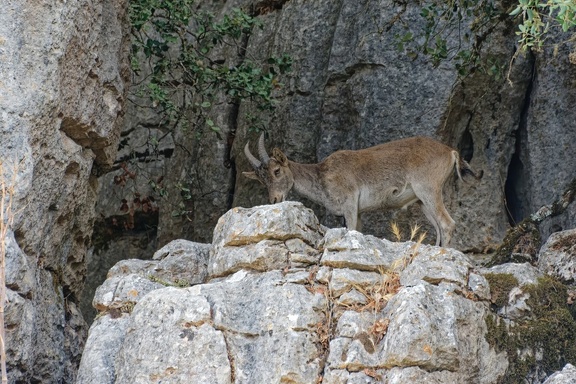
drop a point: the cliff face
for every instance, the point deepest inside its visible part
(63, 68)
(351, 88)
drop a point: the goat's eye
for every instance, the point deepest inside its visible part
(277, 172)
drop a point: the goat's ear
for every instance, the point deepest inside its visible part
(252, 175)
(280, 157)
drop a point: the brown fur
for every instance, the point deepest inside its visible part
(387, 176)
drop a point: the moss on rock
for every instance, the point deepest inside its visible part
(548, 334)
(500, 286)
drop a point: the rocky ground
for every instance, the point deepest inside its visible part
(277, 297)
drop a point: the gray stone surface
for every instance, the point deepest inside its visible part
(182, 263)
(429, 326)
(434, 265)
(557, 257)
(294, 324)
(98, 358)
(351, 249)
(524, 272)
(516, 309)
(241, 226)
(120, 291)
(264, 237)
(169, 338)
(566, 376)
(64, 68)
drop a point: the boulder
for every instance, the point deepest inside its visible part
(566, 376)
(278, 322)
(557, 257)
(264, 237)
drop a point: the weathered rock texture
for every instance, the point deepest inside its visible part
(63, 67)
(566, 376)
(558, 256)
(295, 302)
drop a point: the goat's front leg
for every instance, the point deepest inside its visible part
(351, 220)
(352, 216)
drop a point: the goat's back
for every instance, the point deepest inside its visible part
(401, 160)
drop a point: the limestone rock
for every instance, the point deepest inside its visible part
(283, 221)
(351, 249)
(516, 307)
(272, 236)
(557, 256)
(427, 327)
(434, 265)
(121, 291)
(254, 320)
(479, 285)
(64, 70)
(98, 359)
(182, 263)
(345, 279)
(524, 272)
(280, 323)
(169, 338)
(566, 376)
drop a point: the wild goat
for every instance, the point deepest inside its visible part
(388, 176)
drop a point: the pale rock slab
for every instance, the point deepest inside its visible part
(170, 339)
(431, 327)
(263, 238)
(436, 264)
(566, 376)
(182, 263)
(524, 272)
(262, 256)
(117, 291)
(344, 279)
(98, 359)
(270, 326)
(351, 249)
(283, 221)
(557, 256)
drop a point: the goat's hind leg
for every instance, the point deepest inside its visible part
(432, 220)
(435, 211)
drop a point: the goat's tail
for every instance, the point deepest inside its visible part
(463, 168)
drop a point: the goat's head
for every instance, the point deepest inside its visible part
(273, 172)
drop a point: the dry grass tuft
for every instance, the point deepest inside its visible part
(378, 295)
(372, 373)
(396, 231)
(379, 329)
(414, 231)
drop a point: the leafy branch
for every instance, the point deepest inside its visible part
(454, 31)
(539, 17)
(180, 46)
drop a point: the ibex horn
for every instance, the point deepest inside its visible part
(254, 162)
(262, 150)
